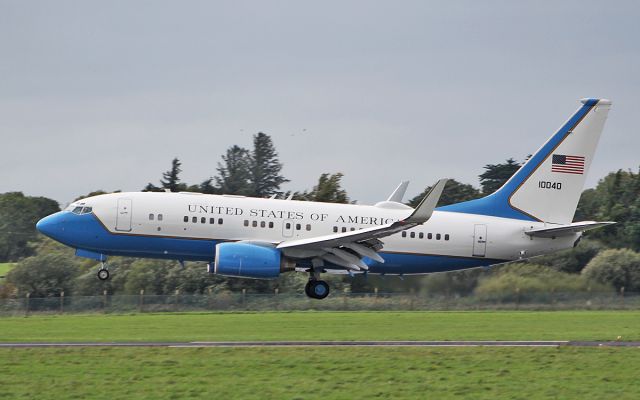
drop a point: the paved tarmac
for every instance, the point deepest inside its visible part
(345, 343)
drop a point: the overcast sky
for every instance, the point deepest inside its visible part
(103, 94)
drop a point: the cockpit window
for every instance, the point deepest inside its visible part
(82, 210)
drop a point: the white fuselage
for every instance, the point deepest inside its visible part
(221, 218)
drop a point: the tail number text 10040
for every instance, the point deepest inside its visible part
(550, 185)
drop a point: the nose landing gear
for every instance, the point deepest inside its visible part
(103, 272)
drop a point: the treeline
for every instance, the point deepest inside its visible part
(254, 173)
(607, 259)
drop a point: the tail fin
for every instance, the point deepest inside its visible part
(548, 186)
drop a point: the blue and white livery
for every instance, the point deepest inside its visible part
(529, 215)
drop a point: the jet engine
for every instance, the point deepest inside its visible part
(245, 260)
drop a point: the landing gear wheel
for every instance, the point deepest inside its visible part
(317, 289)
(103, 274)
(307, 289)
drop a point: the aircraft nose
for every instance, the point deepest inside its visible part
(51, 225)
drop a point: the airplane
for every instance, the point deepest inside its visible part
(237, 236)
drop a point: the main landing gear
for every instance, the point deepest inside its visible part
(103, 272)
(316, 289)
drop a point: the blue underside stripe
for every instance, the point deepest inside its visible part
(90, 236)
(421, 264)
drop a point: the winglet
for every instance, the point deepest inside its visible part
(423, 212)
(398, 194)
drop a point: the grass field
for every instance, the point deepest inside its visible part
(320, 373)
(326, 372)
(518, 325)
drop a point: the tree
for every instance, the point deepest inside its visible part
(18, 217)
(571, 260)
(523, 281)
(496, 175)
(617, 267)
(45, 274)
(615, 198)
(328, 190)
(454, 192)
(205, 187)
(149, 275)
(265, 167)
(94, 193)
(234, 174)
(170, 179)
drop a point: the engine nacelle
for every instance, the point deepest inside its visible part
(246, 260)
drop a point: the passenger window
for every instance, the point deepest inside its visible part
(150, 217)
(446, 237)
(404, 233)
(270, 224)
(203, 220)
(344, 229)
(263, 224)
(212, 221)
(194, 219)
(246, 222)
(429, 236)
(308, 227)
(298, 227)
(185, 219)
(335, 229)
(438, 236)
(352, 229)
(219, 221)
(159, 217)
(413, 235)
(421, 235)
(288, 225)
(254, 223)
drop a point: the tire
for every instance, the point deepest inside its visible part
(320, 290)
(103, 274)
(307, 289)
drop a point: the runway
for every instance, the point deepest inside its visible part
(345, 343)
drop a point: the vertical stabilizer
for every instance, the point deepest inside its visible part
(548, 186)
(398, 194)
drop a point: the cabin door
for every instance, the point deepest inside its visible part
(123, 218)
(480, 241)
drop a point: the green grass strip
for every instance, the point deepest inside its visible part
(558, 325)
(320, 373)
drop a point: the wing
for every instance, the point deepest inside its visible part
(347, 249)
(563, 230)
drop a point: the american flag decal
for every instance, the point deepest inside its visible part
(567, 164)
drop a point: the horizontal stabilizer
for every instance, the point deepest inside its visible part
(564, 230)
